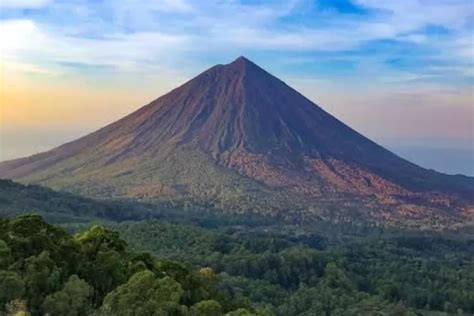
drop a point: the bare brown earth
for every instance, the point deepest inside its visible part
(238, 139)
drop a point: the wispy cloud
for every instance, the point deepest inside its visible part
(26, 42)
(160, 35)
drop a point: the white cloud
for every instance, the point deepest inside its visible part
(148, 36)
(465, 46)
(27, 43)
(17, 35)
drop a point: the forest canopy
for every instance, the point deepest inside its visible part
(124, 258)
(46, 271)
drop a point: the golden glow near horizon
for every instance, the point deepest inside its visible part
(40, 101)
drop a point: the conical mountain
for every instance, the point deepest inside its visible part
(237, 138)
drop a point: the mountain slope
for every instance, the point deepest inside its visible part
(236, 137)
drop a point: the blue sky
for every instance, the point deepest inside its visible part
(405, 40)
(391, 69)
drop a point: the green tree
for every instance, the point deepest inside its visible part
(72, 300)
(29, 235)
(5, 258)
(105, 273)
(336, 278)
(41, 278)
(106, 265)
(17, 307)
(98, 238)
(207, 308)
(11, 286)
(144, 294)
(240, 312)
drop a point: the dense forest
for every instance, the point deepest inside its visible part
(390, 273)
(46, 271)
(166, 261)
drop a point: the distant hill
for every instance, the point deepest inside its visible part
(60, 207)
(67, 208)
(238, 139)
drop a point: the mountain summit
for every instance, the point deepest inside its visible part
(237, 138)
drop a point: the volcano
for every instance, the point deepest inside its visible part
(237, 139)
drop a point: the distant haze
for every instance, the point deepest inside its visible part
(448, 156)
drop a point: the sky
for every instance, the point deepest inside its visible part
(400, 72)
